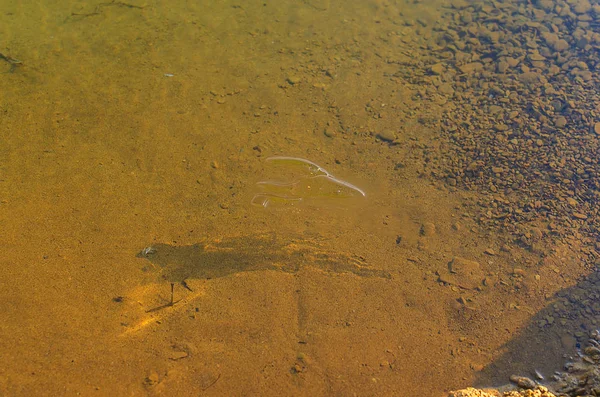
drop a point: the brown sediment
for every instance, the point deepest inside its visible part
(471, 128)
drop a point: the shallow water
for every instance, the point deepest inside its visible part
(147, 124)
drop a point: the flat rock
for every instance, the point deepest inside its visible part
(446, 89)
(463, 273)
(387, 136)
(579, 215)
(437, 69)
(582, 7)
(471, 67)
(561, 45)
(529, 77)
(549, 38)
(560, 121)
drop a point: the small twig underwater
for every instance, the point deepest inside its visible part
(212, 383)
(170, 304)
(12, 61)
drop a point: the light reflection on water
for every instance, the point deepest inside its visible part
(301, 181)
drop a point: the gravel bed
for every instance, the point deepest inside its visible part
(519, 85)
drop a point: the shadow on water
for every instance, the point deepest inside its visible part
(554, 336)
(220, 258)
(188, 265)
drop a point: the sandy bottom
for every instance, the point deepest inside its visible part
(133, 125)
